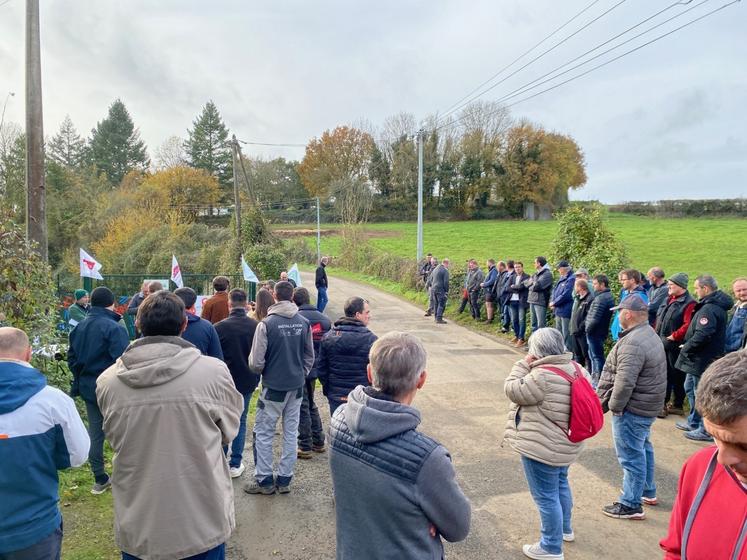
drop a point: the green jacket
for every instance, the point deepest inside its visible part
(77, 314)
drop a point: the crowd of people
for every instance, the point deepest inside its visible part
(173, 404)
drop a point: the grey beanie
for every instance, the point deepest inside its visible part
(681, 279)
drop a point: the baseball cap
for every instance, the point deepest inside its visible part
(633, 302)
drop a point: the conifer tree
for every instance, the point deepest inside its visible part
(208, 146)
(67, 148)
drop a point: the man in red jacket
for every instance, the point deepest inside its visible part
(709, 518)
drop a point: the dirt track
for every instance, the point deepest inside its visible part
(463, 406)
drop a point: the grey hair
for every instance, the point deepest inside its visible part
(546, 342)
(657, 272)
(722, 392)
(583, 271)
(707, 280)
(397, 360)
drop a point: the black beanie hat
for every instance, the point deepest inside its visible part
(102, 297)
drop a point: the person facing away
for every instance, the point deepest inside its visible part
(95, 344)
(395, 490)
(215, 308)
(344, 353)
(40, 433)
(168, 410)
(709, 517)
(78, 310)
(199, 332)
(538, 422)
(440, 289)
(632, 387)
(321, 283)
(283, 353)
(236, 333)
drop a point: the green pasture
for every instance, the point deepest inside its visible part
(694, 245)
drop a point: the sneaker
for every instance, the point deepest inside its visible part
(504, 330)
(663, 414)
(427, 314)
(685, 426)
(569, 537)
(650, 501)
(319, 448)
(255, 488)
(440, 321)
(699, 435)
(284, 489)
(304, 454)
(621, 511)
(520, 343)
(236, 472)
(538, 553)
(101, 488)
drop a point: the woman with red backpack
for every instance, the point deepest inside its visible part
(553, 410)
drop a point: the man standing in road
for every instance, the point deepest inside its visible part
(440, 288)
(215, 309)
(489, 286)
(322, 283)
(236, 334)
(673, 320)
(704, 343)
(199, 332)
(168, 410)
(657, 293)
(344, 353)
(580, 346)
(518, 305)
(474, 279)
(598, 324)
(395, 489)
(561, 301)
(505, 278)
(95, 344)
(540, 286)
(428, 288)
(736, 332)
(283, 353)
(632, 387)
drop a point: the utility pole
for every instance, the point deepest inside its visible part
(36, 216)
(421, 134)
(318, 233)
(236, 197)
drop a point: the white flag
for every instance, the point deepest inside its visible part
(176, 273)
(249, 275)
(294, 275)
(89, 267)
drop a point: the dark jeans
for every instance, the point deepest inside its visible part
(321, 299)
(464, 302)
(310, 430)
(217, 553)
(474, 304)
(505, 316)
(518, 319)
(334, 404)
(581, 350)
(596, 355)
(439, 297)
(675, 378)
(96, 433)
(237, 445)
(48, 548)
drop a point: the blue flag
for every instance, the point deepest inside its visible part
(249, 275)
(295, 275)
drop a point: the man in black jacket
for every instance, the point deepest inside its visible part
(236, 333)
(578, 322)
(598, 323)
(704, 344)
(310, 430)
(540, 287)
(504, 279)
(344, 353)
(95, 344)
(517, 303)
(657, 293)
(321, 283)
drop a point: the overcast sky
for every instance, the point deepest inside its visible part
(667, 121)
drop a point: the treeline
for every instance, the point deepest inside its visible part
(684, 208)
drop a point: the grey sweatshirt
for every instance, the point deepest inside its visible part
(391, 483)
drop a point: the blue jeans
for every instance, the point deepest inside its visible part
(321, 299)
(217, 553)
(691, 389)
(596, 355)
(539, 316)
(96, 434)
(505, 315)
(48, 548)
(552, 495)
(518, 319)
(635, 453)
(237, 445)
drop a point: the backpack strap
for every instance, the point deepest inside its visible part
(564, 375)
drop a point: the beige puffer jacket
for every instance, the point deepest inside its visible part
(541, 404)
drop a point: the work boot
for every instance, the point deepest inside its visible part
(255, 487)
(514, 341)
(520, 343)
(304, 454)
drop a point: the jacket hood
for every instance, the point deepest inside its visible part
(155, 360)
(718, 298)
(285, 309)
(18, 383)
(349, 322)
(372, 419)
(103, 311)
(192, 318)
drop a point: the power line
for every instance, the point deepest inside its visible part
(470, 98)
(278, 145)
(626, 53)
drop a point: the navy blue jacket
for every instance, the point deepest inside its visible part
(320, 325)
(95, 344)
(600, 314)
(201, 333)
(344, 358)
(562, 295)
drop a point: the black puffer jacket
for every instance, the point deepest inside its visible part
(706, 336)
(599, 316)
(320, 325)
(344, 357)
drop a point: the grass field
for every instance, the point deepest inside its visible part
(692, 245)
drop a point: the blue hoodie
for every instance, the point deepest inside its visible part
(40, 433)
(203, 335)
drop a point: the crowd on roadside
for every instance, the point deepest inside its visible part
(173, 404)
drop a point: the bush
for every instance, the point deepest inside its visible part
(298, 250)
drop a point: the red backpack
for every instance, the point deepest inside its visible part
(586, 417)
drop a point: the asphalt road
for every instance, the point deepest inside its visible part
(463, 406)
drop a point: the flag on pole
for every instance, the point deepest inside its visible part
(249, 275)
(294, 275)
(89, 267)
(176, 272)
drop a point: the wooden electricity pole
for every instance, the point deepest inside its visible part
(36, 216)
(236, 197)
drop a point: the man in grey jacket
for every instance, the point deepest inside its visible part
(474, 279)
(440, 289)
(395, 488)
(283, 353)
(632, 387)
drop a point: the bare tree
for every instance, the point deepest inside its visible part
(354, 200)
(394, 128)
(170, 153)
